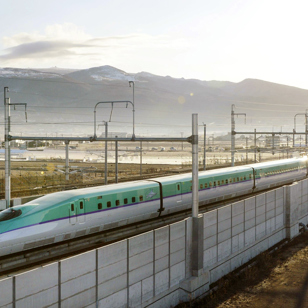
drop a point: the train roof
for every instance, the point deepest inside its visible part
(278, 162)
(70, 195)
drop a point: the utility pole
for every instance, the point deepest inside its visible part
(246, 150)
(7, 129)
(140, 159)
(116, 160)
(106, 153)
(204, 147)
(130, 84)
(255, 145)
(67, 175)
(233, 132)
(7, 149)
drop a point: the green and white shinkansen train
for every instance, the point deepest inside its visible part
(64, 215)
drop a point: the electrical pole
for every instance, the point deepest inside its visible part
(106, 153)
(204, 148)
(7, 148)
(233, 132)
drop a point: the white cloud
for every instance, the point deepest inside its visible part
(67, 45)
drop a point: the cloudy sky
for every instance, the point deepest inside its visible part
(204, 39)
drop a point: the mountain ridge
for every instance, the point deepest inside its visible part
(162, 103)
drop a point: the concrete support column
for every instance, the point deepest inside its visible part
(291, 193)
(197, 245)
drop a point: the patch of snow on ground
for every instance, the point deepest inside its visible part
(18, 73)
(110, 73)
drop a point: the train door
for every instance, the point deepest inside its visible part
(178, 191)
(80, 208)
(72, 212)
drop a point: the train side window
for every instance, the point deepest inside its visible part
(178, 187)
(218, 183)
(190, 187)
(117, 202)
(99, 206)
(233, 180)
(140, 198)
(223, 182)
(250, 176)
(214, 183)
(81, 205)
(108, 204)
(72, 207)
(125, 201)
(226, 181)
(201, 186)
(205, 185)
(210, 184)
(241, 179)
(99, 197)
(244, 178)
(133, 199)
(237, 179)
(230, 180)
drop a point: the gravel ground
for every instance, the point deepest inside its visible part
(279, 279)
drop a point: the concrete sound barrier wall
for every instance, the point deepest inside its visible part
(157, 268)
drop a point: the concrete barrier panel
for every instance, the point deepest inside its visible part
(78, 279)
(237, 242)
(177, 273)
(210, 231)
(177, 244)
(250, 236)
(162, 281)
(237, 219)
(260, 210)
(140, 243)
(209, 257)
(112, 271)
(260, 231)
(177, 230)
(210, 242)
(177, 257)
(112, 253)
(249, 223)
(116, 300)
(147, 288)
(6, 287)
(78, 266)
(37, 286)
(141, 259)
(223, 236)
(238, 229)
(112, 286)
(250, 214)
(135, 294)
(224, 249)
(238, 208)
(224, 214)
(250, 204)
(210, 218)
(220, 271)
(161, 236)
(140, 273)
(260, 200)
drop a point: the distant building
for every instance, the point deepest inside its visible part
(269, 141)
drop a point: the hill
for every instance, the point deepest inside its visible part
(62, 101)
